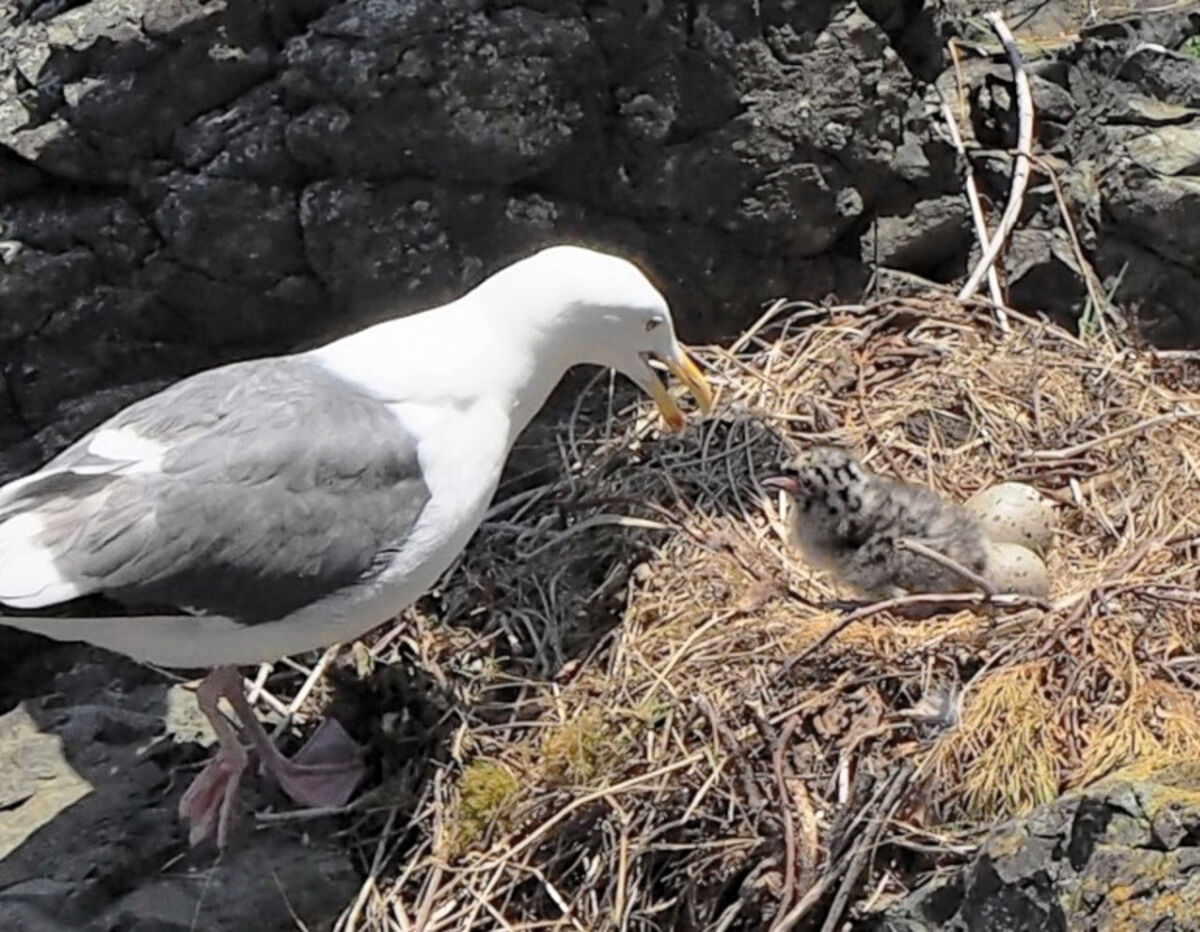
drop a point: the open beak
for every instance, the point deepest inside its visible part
(787, 483)
(684, 369)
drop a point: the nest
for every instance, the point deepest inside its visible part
(659, 718)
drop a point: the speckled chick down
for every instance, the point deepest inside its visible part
(847, 519)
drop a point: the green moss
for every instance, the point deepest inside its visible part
(577, 751)
(1191, 47)
(484, 792)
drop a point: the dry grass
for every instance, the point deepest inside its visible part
(628, 746)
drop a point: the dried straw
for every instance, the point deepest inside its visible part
(631, 746)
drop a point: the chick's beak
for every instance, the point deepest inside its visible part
(681, 366)
(787, 483)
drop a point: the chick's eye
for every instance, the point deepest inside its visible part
(653, 323)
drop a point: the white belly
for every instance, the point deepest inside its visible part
(209, 641)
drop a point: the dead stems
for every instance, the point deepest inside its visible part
(1023, 167)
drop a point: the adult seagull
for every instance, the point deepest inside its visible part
(283, 504)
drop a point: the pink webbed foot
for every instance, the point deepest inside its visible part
(207, 806)
(323, 773)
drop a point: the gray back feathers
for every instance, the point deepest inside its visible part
(244, 515)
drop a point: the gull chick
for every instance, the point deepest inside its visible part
(851, 521)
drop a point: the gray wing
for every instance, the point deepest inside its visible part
(264, 486)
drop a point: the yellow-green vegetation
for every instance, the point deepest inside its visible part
(1158, 725)
(1011, 737)
(579, 750)
(628, 695)
(485, 790)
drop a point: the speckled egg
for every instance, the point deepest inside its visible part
(1015, 513)
(1013, 568)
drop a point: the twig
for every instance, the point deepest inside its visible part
(789, 831)
(434, 879)
(1090, 280)
(1067, 452)
(981, 230)
(597, 521)
(1023, 168)
(589, 798)
(1007, 600)
(1125, 569)
(861, 846)
(305, 690)
(907, 543)
(863, 851)
(770, 314)
(264, 670)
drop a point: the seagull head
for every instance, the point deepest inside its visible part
(599, 309)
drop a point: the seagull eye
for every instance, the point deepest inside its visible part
(653, 323)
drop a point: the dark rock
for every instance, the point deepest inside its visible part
(1150, 286)
(188, 183)
(443, 89)
(234, 231)
(88, 837)
(1121, 854)
(924, 239)
(1118, 112)
(1044, 275)
(276, 885)
(1169, 76)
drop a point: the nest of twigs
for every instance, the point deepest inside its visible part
(632, 741)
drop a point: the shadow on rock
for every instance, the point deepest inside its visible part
(91, 770)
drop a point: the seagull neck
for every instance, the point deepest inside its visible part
(454, 355)
(515, 352)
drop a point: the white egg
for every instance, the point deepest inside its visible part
(1015, 513)
(1013, 568)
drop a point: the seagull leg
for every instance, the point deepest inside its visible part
(323, 773)
(208, 803)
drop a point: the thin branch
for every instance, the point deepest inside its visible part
(898, 782)
(1090, 280)
(1024, 166)
(948, 598)
(789, 831)
(907, 543)
(981, 230)
(1067, 452)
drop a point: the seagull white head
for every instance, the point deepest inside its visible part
(599, 309)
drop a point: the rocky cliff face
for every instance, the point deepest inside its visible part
(189, 182)
(1122, 855)
(186, 182)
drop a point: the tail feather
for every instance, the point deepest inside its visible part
(29, 574)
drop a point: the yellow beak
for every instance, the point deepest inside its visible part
(684, 369)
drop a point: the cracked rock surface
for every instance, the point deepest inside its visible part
(188, 182)
(185, 183)
(1121, 855)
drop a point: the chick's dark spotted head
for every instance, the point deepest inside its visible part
(828, 476)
